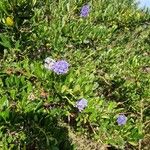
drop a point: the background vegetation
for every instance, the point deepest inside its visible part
(108, 52)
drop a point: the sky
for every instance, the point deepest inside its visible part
(144, 3)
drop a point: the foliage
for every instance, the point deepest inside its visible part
(108, 55)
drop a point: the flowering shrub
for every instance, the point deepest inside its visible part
(95, 80)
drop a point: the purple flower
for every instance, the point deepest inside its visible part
(85, 11)
(121, 120)
(81, 104)
(60, 67)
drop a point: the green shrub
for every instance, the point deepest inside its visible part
(108, 57)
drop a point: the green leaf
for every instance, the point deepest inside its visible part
(39, 105)
(4, 114)
(3, 101)
(64, 88)
(77, 88)
(5, 41)
(13, 93)
(17, 44)
(134, 143)
(111, 106)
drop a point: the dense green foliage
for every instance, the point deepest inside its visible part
(108, 52)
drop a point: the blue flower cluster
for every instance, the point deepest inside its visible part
(81, 104)
(85, 11)
(121, 120)
(59, 67)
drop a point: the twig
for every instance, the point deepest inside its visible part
(91, 127)
(141, 120)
